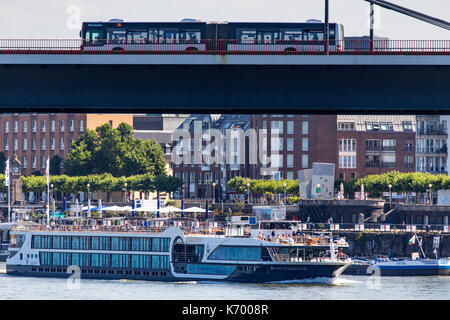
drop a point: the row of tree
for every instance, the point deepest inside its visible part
(104, 182)
(374, 184)
(262, 187)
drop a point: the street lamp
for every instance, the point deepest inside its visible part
(214, 192)
(429, 187)
(248, 192)
(126, 198)
(390, 197)
(89, 199)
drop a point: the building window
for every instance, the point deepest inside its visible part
(276, 144)
(409, 147)
(389, 145)
(346, 126)
(33, 162)
(61, 125)
(43, 144)
(24, 144)
(290, 161)
(6, 127)
(276, 161)
(290, 144)
(71, 125)
(304, 161)
(70, 143)
(61, 144)
(42, 162)
(407, 126)
(16, 126)
(409, 162)
(305, 127)
(16, 144)
(290, 175)
(80, 125)
(347, 162)
(43, 126)
(6, 144)
(290, 127)
(346, 145)
(52, 126)
(24, 162)
(390, 126)
(33, 126)
(341, 176)
(33, 144)
(276, 127)
(369, 126)
(352, 175)
(52, 144)
(304, 144)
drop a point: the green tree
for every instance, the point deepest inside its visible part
(114, 151)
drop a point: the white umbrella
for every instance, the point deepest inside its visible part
(194, 209)
(126, 208)
(146, 209)
(113, 208)
(168, 209)
(362, 192)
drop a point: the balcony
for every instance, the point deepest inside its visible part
(373, 148)
(432, 150)
(388, 148)
(431, 132)
(379, 164)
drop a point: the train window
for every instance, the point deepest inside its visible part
(267, 36)
(294, 34)
(169, 35)
(246, 35)
(190, 35)
(136, 36)
(117, 35)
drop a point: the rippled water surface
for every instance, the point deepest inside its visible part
(345, 288)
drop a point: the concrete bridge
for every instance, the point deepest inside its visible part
(245, 83)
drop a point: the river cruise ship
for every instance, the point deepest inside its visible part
(167, 255)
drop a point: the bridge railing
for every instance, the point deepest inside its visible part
(223, 47)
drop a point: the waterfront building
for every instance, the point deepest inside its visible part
(34, 137)
(375, 144)
(431, 144)
(293, 142)
(205, 177)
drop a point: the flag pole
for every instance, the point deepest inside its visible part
(7, 183)
(48, 190)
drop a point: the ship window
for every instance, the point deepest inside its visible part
(236, 253)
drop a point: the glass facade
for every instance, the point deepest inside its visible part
(236, 253)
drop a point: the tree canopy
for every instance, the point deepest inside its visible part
(114, 151)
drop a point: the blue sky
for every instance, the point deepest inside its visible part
(57, 18)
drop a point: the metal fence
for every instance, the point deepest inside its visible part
(224, 47)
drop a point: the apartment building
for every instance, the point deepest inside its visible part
(431, 144)
(35, 137)
(374, 144)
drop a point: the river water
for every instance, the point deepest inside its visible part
(343, 288)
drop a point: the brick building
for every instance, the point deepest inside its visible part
(277, 148)
(34, 137)
(374, 144)
(294, 142)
